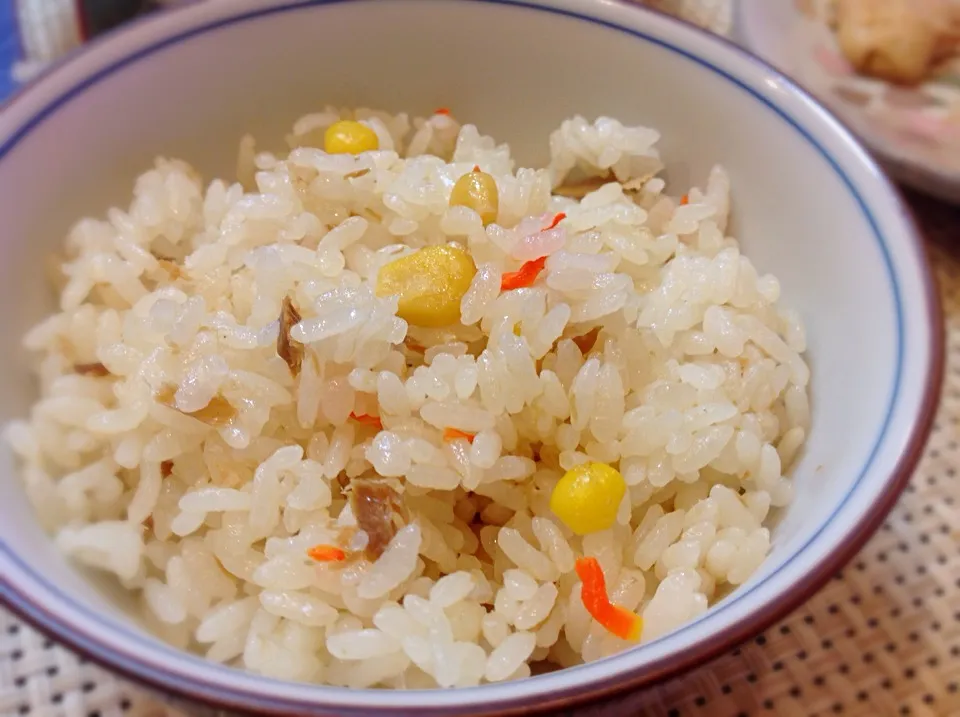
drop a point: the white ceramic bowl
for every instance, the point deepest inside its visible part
(809, 205)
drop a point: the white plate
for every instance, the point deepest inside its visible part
(915, 131)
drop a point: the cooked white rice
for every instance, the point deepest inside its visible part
(695, 390)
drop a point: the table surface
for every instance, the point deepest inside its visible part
(883, 637)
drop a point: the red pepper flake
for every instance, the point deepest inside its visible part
(476, 168)
(556, 220)
(442, 111)
(368, 420)
(525, 276)
(685, 199)
(326, 554)
(166, 468)
(621, 622)
(452, 434)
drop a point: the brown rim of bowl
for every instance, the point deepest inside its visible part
(667, 666)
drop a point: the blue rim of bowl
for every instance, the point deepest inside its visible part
(241, 698)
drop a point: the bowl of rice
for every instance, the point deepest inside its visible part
(471, 357)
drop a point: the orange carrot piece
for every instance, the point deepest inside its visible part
(368, 420)
(528, 272)
(685, 199)
(556, 220)
(326, 554)
(452, 434)
(621, 622)
(441, 111)
(524, 276)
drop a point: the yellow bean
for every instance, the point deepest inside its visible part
(429, 283)
(477, 190)
(349, 137)
(588, 497)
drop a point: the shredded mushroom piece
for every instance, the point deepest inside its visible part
(218, 412)
(414, 346)
(581, 188)
(171, 267)
(290, 350)
(379, 513)
(587, 341)
(91, 369)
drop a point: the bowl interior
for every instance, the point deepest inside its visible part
(807, 208)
